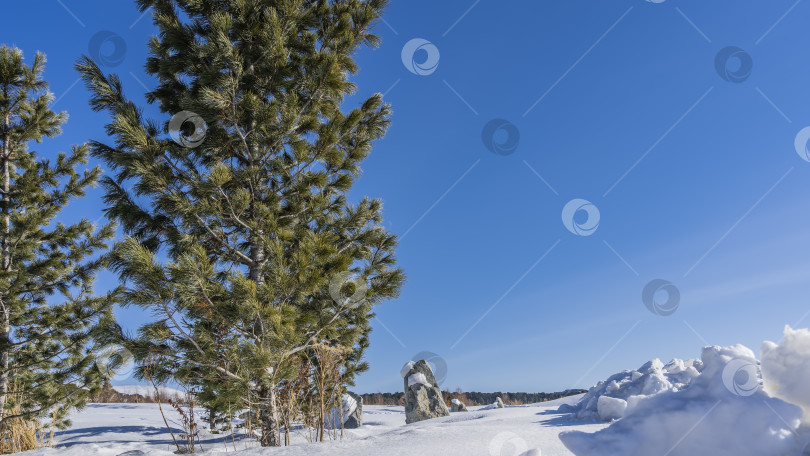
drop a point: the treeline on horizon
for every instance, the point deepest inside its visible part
(473, 398)
(109, 395)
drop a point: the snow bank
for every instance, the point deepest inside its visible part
(608, 399)
(724, 411)
(786, 369)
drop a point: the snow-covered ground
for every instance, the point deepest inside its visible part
(112, 429)
(728, 403)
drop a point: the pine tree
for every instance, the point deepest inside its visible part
(239, 228)
(48, 309)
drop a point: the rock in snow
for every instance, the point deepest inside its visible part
(722, 412)
(457, 406)
(355, 419)
(423, 398)
(352, 413)
(498, 404)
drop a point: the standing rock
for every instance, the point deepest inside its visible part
(352, 413)
(457, 406)
(498, 402)
(355, 419)
(423, 397)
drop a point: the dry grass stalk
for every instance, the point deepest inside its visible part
(21, 434)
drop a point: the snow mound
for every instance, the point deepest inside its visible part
(608, 399)
(723, 412)
(786, 369)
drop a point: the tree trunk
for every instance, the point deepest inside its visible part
(268, 414)
(268, 403)
(321, 423)
(212, 418)
(5, 262)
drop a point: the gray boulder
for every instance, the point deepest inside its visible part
(423, 397)
(457, 406)
(355, 419)
(350, 411)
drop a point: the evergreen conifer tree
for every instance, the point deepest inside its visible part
(48, 310)
(239, 228)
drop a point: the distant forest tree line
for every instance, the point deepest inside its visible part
(472, 398)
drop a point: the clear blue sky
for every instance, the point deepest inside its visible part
(714, 196)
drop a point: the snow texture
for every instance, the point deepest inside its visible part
(718, 414)
(611, 408)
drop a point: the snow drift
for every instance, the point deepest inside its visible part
(721, 407)
(786, 369)
(608, 399)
